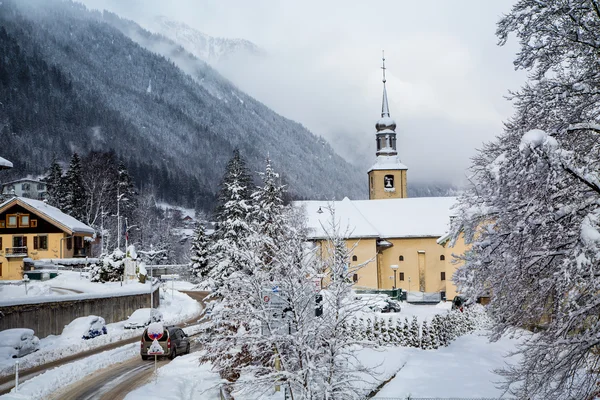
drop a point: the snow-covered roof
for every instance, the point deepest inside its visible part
(31, 180)
(387, 162)
(389, 218)
(52, 214)
(4, 163)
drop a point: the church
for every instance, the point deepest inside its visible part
(396, 241)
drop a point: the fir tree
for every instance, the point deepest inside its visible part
(127, 194)
(426, 342)
(393, 332)
(414, 338)
(434, 331)
(199, 265)
(55, 192)
(377, 331)
(370, 331)
(76, 197)
(406, 333)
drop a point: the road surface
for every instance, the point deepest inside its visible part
(8, 382)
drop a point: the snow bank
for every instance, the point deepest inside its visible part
(182, 379)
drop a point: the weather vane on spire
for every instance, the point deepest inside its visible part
(383, 61)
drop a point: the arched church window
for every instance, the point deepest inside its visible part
(354, 258)
(442, 257)
(378, 143)
(401, 258)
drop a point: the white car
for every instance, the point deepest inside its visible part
(142, 318)
(85, 328)
(18, 342)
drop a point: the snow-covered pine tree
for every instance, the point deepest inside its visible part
(362, 329)
(76, 196)
(55, 189)
(406, 333)
(399, 333)
(434, 332)
(392, 332)
(230, 246)
(199, 254)
(441, 328)
(127, 193)
(377, 330)
(414, 339)
(426, 342)
(266, 214)
(110, 267)
(370, 330)
(533, 213)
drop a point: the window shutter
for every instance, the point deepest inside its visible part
(24, 241)
(35, 243)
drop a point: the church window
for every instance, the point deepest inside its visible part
(401, 258)
(388, 182)
(378, 143)
(371, 179)
(355, 278)
(354, 258)
(442, 257)
(401, 276)
(443, 276)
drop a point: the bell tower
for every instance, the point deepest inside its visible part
(387, 177)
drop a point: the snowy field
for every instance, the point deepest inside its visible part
(176, 307)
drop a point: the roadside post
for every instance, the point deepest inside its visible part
(25, 281)
(17, 375)
(275, 305)
(155, 332)
(172, 278)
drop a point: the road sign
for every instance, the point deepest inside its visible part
(155, 330)
(275, 289)
(155, 349)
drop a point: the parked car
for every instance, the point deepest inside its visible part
(18, 342)
(386, 306)
(142, 318)
(174, 341)
(85, 328)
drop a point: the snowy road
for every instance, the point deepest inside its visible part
(7, 383)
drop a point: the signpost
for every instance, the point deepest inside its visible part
(155, 332)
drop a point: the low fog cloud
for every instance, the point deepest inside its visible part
(446, 75)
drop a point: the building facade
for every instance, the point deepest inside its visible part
(30, 188)
(33, 229)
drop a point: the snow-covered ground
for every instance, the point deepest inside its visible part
(463, 369)
(176, 307)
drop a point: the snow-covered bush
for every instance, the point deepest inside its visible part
(110, 267)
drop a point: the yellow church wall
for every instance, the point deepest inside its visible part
(415, 251)
(376, 184)
(453, 263)
(365, 252)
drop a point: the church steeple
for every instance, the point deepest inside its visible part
(387, 177)
(386, 126)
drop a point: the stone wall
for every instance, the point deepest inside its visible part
(49, 318)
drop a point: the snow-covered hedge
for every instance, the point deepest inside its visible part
(438, 333)
(110, 267)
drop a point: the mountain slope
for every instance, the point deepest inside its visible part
(173, 130)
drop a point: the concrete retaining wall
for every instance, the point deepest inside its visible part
(49, 318)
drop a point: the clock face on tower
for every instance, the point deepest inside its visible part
(388, 181)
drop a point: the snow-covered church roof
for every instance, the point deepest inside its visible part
(51, 214)
(386, 219)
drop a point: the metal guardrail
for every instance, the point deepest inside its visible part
(15, 252)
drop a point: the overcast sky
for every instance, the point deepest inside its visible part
(447, 78)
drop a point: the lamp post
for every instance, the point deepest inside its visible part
(409, 284)
(394, 268)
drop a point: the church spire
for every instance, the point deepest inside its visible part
(385, 109)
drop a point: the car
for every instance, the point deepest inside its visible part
(174, 341)
(85, 328)
(142, 318)
(386, 306)
(18, 342)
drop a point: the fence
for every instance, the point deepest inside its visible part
(422, 297)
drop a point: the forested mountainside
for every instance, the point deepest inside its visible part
(71, 81)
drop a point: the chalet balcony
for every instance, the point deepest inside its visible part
(15, 252)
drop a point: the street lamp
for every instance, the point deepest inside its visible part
(395, 268)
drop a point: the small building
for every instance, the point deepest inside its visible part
(33, 229)
(26, 187)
